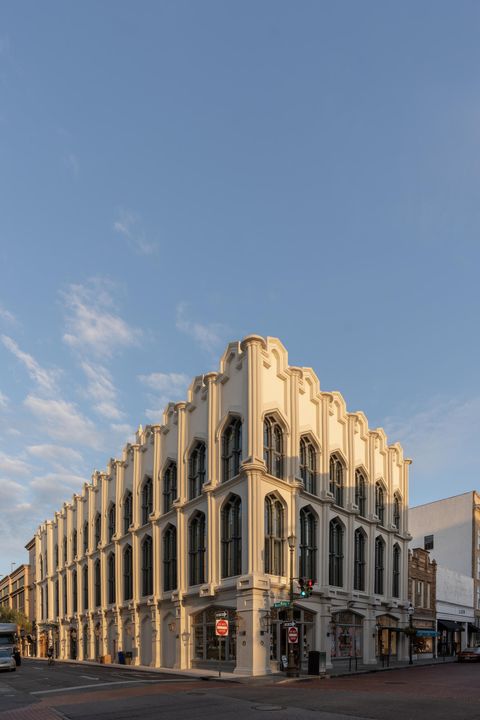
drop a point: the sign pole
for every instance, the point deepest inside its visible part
(219, 657)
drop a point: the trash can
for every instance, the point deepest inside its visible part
(121, 657)
(17, 657)
(314, 662)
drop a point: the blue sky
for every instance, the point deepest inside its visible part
(175, 175)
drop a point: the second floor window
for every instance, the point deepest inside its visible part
(379, 565)
(231, 449)
(196, 470)
(111, 578)
(98, 586)
(335, 567)
(127, 573)
(147, 566)
(85, 587)
(308, 544)
(232, 537)
(169, 486)
(147, 499)
(75, 591)
(170, 558)
(359, 561)
(274, 536)
(308, 465)
(396, 572)
(74, 543)
(196, 549)
(273, 446)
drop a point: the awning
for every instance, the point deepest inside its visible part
(451, 625)
(473, 628)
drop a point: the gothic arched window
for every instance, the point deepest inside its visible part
(147, 499)
(336, 479)
(361, 492)
(231, 449)
(147, 566)
(196, 470)
(273, 446)
(308, 465)
(359, 560)
(274, 536)
(170, 558)
(169, 486)
(335, 568)
(379, 565)
(232, 537)
(308, 544)
(196, 549)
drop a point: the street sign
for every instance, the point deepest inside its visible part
(292, 635)
(221, 627)
(290, 624)
(281, 603)
(221, 614)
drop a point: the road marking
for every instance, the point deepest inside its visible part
(116, 682)
(90, 677)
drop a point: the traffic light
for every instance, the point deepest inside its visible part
(303, 587)
(309, 587)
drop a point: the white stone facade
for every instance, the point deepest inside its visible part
(219, 533)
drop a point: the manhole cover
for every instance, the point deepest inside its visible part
(268, 707)
(394, 682)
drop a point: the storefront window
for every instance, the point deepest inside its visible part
(205, 642)
(346, 635)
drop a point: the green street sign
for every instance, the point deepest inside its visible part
(281, 603)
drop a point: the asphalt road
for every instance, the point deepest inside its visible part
(81, 692)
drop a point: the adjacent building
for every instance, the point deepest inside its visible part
(16, 593)
(450, 530)
(422, 593)
(259, 476)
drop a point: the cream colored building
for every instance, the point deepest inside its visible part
(199, 515)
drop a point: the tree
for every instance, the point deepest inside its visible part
(9, 615)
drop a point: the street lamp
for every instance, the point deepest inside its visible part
(410, 611)
(292, 670)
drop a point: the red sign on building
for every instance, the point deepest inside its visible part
(221, 627)
(292, 634)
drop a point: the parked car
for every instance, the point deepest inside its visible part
(7, 661)
(470, 654)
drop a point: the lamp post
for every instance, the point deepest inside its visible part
(410, 611)
(292, 670)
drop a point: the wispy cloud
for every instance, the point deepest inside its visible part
(63, 421)
(13, 465)
(441, 438)
(7, 316)
(167, 387)
(92, 323)
(3, 400)
(101, 390)
(128, 225)
(56, 486)
(44, 378)
(208, 335)
(71, 163)
(55, 453)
